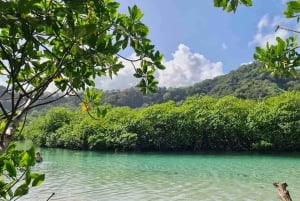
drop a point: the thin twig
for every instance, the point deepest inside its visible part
(25, 117)
(50, 196)
(287, 29)
(131, 60)
(16, 181)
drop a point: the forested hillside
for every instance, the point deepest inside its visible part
(247, 82)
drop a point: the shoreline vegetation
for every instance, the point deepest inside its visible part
(200, 123)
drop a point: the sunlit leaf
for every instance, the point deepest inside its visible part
(38, 180)
(10, 167)
(84, 107)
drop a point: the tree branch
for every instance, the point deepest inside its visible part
(19, 179)
(41, 44)
(131, 60)
(5, 91)
(24, 121)
(283, 193)
(5, 67)
(287, 29)
(41, 89)
(47, 102)
(3, 110)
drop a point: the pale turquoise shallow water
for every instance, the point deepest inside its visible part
(92, 176)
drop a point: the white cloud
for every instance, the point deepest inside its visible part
(246, 63)
(264, 21)
(185, 69)
(266, 30)
(224, 46)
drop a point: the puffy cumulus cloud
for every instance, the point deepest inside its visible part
(266, 30)
(187, 68)
(184, 69)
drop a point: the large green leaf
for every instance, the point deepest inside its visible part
(21, 190)
(293, 8)
(10, 167)
(38, 180)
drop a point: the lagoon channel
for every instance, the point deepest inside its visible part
(96, 176)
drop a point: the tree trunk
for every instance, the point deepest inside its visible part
(283, 193)
(12, 124)
(7, 135)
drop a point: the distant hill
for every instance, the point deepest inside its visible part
(247, 82)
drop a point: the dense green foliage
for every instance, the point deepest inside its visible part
(247, 82)
(66, 45)
(283, 57)
(198, 123)
(15, 164)
(231, 5)
(69, 43)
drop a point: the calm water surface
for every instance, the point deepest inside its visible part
(92, 176)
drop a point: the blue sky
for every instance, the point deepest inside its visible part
(207, 30)
(200, 41)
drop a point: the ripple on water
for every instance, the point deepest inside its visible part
(89, 176)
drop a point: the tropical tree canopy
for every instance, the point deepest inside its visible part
(66, 44)
(281, 58)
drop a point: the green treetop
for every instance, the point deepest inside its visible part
(66, 43)
(282, 58)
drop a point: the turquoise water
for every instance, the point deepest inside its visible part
(90, 176)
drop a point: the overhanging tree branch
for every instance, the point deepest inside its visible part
(3, 110)
(287, 29)
(131, 60)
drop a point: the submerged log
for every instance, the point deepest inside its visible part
(283, 193)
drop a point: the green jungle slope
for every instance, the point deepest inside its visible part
(247, 82)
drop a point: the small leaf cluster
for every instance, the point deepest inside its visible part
(292, 10)
(231, 5)
(149, 59)
(282, 58)
(15, 168)
(91, 101)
